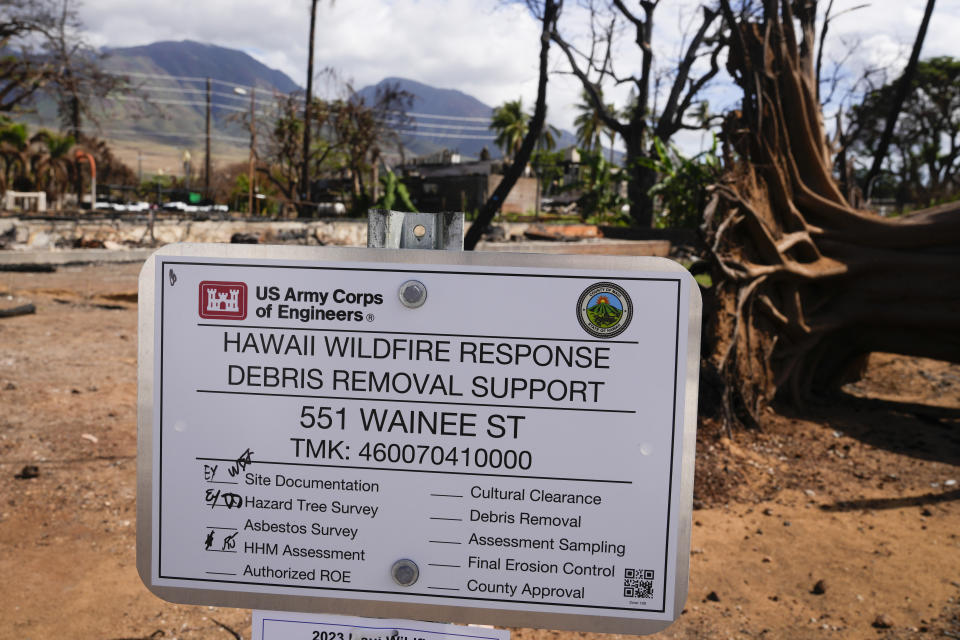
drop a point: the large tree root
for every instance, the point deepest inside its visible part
(807, 285)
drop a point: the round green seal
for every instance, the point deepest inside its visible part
(604, 310)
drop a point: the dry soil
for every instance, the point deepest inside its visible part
(840, 520)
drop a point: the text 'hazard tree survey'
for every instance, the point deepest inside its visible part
(514, 449)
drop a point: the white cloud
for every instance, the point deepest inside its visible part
(486, 49)
(489, 52)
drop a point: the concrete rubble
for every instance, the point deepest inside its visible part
(115, 234)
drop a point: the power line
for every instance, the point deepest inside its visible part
(200, 134)
(414, 132)
(168, 76)
(269, 98)
(268, 103)
(166, 134)
(265, 95)
(456, 127)
(192, 103)
(439, 117)
(265, 100)
(426, 134)
(231, 96)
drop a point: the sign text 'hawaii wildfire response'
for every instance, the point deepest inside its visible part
(512, 445)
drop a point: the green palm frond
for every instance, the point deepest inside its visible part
(510, 124)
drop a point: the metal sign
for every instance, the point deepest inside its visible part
(279, 625)
(501, 439)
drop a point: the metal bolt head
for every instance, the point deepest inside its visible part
(412, 294)
(405, 572)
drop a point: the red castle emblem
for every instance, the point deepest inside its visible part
(223, 300)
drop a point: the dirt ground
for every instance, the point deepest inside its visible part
(840, 521)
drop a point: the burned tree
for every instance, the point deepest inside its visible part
(806, 283)
(81, 87)
(643, 121)
(547, 14)
(347, 134)
(23, 70)
(364, 129)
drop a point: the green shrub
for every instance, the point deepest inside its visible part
(394, 193)
(682, 184)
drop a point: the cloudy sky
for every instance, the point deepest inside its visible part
(487, 48)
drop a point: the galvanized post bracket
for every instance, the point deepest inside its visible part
(405, 230)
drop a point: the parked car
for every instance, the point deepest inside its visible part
(183, 207)
(175, 205)
(106, 205)
(138, 206)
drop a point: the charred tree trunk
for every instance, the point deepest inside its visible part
(904, 85)
(638, 193)
(806, 284)
(512, 173)
(638, 129)
(642, 178)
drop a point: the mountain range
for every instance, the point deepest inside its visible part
(195, 59)
(173, 76)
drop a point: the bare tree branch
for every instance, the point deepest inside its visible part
(594, 94)
(672, 115)
(634, 124)
(23, 71)
(827, 19)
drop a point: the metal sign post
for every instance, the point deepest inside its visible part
(404, 230)
(439, 435)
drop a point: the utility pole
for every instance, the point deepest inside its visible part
(305, 173)
(253, 144)
(206, 159)
(75, 132)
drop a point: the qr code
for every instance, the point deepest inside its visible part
(638, 583)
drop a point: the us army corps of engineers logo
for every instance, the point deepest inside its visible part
(604, 310)
(223, 300)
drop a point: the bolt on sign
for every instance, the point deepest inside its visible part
(484, 438)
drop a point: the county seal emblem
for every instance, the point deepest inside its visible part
(604, 310)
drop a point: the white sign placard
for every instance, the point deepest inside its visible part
(432, 435)
(282, 625)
